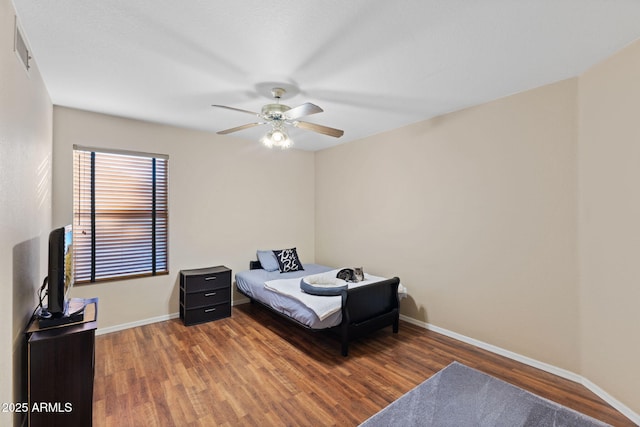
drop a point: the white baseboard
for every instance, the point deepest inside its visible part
(623, 409)
(241, 301)
(123, 326)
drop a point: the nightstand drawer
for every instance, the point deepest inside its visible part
(205, 282)
(205, 314)
(206, 298)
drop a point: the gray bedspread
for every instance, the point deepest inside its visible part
(251, 282)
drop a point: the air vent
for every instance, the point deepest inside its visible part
(20, 47)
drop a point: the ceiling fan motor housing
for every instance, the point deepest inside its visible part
(274, 111)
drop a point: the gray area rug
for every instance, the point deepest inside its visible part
(461, 396)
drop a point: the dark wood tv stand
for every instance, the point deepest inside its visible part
(60, 369)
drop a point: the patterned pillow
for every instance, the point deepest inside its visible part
(288, 260)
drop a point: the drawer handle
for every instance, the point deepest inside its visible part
(210, 278)
(210, 294)
(209, 310)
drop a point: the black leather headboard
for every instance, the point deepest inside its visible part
(255, 265)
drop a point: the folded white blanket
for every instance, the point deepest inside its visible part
(322, 306)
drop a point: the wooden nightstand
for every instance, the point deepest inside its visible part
(205, 294)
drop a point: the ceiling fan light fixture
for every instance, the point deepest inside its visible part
(277, 138)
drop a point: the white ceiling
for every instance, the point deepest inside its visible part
(372, 65)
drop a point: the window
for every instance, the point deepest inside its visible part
(120, 214)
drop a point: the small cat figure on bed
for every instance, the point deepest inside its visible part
(351, 274)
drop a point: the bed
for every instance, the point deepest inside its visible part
(363, 308)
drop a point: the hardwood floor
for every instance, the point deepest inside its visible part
(254, 368)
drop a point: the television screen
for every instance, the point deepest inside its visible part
(60, 278)
(68, 260)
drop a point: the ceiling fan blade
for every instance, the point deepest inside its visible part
(236, 129)
(237, 109)
(305, 109)
(337, 133)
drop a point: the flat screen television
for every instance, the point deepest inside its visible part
(60, 278)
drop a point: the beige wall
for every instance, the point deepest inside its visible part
(609, 164)
(514, 223)
(227, 198)
(25, 203)
(475, 211)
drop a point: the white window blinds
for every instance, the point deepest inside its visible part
(120, 214)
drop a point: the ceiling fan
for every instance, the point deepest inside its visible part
(278, 116)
